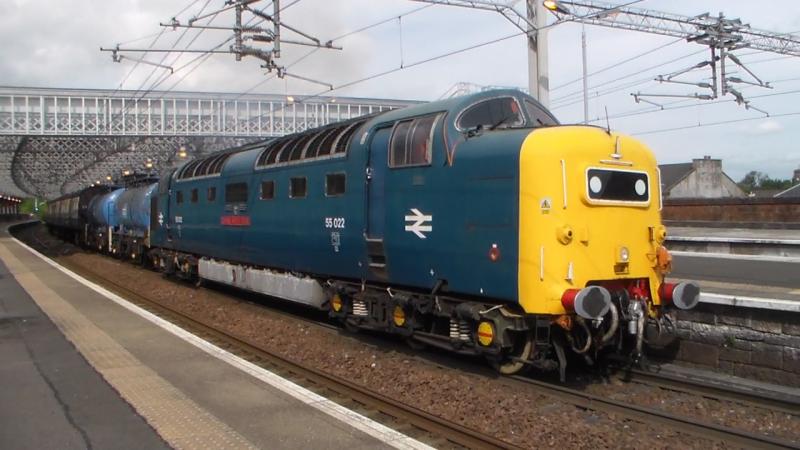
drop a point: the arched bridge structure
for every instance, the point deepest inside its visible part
(54, 141)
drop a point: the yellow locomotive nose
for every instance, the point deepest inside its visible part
(589, 216)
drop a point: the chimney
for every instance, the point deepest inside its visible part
(707, 165)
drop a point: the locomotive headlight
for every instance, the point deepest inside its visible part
(623, 255)
(595, 184)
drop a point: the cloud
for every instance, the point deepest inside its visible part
(766, 126)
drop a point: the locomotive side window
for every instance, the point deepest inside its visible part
(211, 195)
(195, 196)
(297, 187)
(267, 190)
(397, 148)
(491, 113)
(412, 142)
(335, 184)
(179, 197)
(236, 193)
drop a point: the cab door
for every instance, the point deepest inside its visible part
(376, 202)
(160, 221)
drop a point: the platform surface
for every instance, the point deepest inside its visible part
(735, 233)
(80, 371)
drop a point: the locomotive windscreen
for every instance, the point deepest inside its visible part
(617, 185)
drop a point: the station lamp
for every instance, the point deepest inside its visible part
(555, 6)
(289, 99)
(182, 152)
(108, 177)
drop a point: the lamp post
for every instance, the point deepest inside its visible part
(538, 80)
(556, 7)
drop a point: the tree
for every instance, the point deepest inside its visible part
(755, 180)
(752, 180)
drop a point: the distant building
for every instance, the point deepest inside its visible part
(792, 192)
(765, 193)
(702, 178)
(796, 177)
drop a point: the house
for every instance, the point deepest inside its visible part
(702, 178)
(792, 192)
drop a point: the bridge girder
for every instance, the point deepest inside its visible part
(54, 141)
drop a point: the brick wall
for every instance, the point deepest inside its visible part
(745, 210)
(751, 343)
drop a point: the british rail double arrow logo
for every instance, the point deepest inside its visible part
(419, 223)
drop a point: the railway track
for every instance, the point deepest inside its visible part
(687, 424)
(440, 432)
(716, 389)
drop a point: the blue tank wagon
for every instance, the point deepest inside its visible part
(69, 216)
(132, 210)
(104, 220)
(477, 224)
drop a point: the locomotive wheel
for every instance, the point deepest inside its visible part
(512, 362)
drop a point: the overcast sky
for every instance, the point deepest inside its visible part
(55, 43)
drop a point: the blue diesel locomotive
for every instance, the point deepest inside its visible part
(477, 224)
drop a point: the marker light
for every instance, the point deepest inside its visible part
(494, 253)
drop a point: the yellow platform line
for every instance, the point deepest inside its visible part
(181, 422)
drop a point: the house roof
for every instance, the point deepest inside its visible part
(671, 174)
(765, 193)
(792, 192)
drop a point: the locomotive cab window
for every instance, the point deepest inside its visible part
(335, 184)
(267, 190)
(490, 114)
(412, 142)
(236, 193)
(538, 116)
(297, 187)
(195, 196)
(211, 195)
(179, 197)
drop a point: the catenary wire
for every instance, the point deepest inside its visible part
(617, 64)
(711, 124)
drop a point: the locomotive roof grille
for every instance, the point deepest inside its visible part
(330, 141)
(212, 165)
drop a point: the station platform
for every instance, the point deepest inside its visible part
(736, 234)
(753, 242)
(81, 369)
